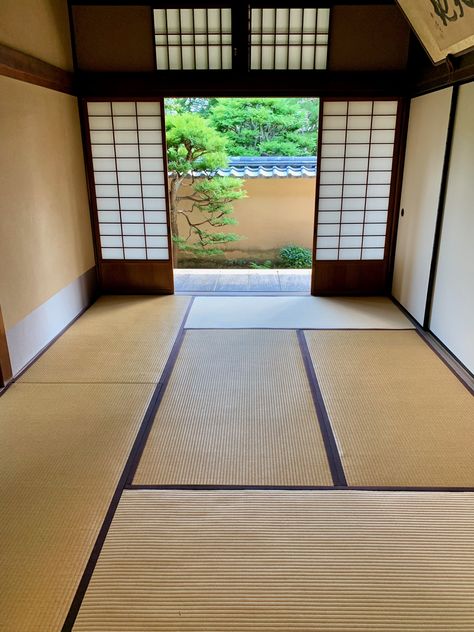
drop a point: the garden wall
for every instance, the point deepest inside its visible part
(276, 212)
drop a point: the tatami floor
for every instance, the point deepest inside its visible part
(272, 463)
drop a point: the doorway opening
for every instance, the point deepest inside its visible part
(242, 175)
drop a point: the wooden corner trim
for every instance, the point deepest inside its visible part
(5, 364)
(18, 65)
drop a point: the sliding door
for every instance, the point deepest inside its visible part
(128, 176)
(359, 147)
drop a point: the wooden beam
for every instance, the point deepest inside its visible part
(18, 65)
(215, 83)
(459, 70)
(5, 364)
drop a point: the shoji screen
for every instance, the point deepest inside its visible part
(289, 38)
(129, 181)
(354, 194)
(193, 39)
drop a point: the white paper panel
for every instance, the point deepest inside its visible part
(106, 137)
(373, 253)
(156, 229)
(107, 204)
(153, 151)
(352, 217)
(134, 241)
(124, 183)
(328, 217)
(385, 107)
(351, 229)
(105, 177)
(157, 242)
(157, 217)
(330, 255)
(111, 242)
(335, 107)
(133, 229)
(355, 177)
(129, 177)
(126, 151)
(352, 254)
(331, 177)
(328, 230)
(123, 108)
(375, 229)
(357, 151)
(100, 122)
(327, 242)
(135, 253)
(334, 122)
(154, 204)
(131, 204)
(374, 242)
(112, 253)
(131, 216)
(360, 107)
(350, 242)
(353, 204)
(110, 229)
(98, 108)
(152, 177)
(148, 108)
(108, 216)
(157, 253)
(103, 151)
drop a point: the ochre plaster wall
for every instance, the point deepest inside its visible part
(45, 234)
(39, 28)
(277, 212)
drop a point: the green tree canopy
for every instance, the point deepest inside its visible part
(258, 126)
(267, 127)
(194, 146)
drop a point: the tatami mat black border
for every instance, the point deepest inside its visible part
(298, 488)
(127, 476)
(334, 459)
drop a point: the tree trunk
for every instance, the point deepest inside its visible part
(174, 186)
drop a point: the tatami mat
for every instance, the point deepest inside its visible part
(400, 417)
(238, 410)
(62, 451)
(308, 561)
(295, 312)
(119, 339)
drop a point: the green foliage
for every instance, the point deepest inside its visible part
(194, 146)
(267, 127)
(258, 126)
(195, 105)
(296, 257)
(266, 265)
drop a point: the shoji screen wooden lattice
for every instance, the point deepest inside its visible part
(128, 168)
(355, 190)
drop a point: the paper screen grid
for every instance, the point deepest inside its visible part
(355, 174)
(129, 178)
(289, 39)
(193, 39)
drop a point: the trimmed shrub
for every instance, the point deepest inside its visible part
(296, 257)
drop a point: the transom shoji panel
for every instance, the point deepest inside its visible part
(355, 175)
(288, 39)
(127, 156)
(193, 39)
